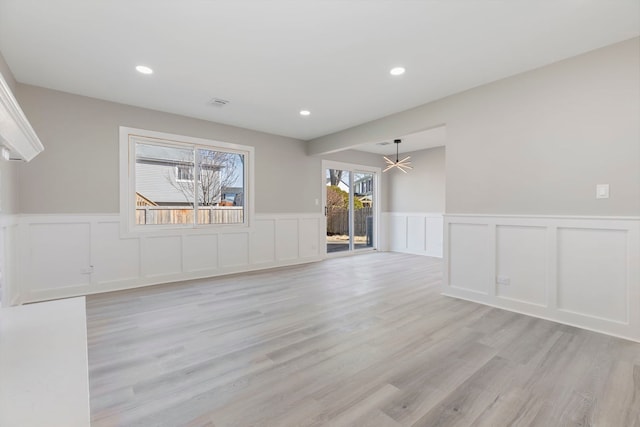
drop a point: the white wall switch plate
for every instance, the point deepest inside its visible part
(602, 191)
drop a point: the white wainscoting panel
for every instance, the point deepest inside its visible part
(521, 258)
(469, 257)
(114, 259)
(287, 239)
(414, 233)
(200, 252)
(592, 272)
(59, 255)
(398, 233)
(264, 241)
(69, 255)
(8, 259)
(235, 249)
(309, 230)
(581, 271)
(161, 255)
(434, 235)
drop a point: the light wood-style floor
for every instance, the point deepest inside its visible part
(355, 341)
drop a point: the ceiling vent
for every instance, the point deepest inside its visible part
(218, 102)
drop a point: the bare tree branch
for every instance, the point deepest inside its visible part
(335, 176)
(217, 171)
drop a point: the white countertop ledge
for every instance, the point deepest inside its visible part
(44, 378)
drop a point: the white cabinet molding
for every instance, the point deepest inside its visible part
(16, 132)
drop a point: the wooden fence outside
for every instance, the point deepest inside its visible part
(207, 215)
(338, 221)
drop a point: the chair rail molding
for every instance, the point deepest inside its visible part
(580, 271)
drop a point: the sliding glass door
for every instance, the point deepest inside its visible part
(363, 209)
(349, 207)
(337, 212)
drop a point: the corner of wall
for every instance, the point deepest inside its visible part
(7, 74)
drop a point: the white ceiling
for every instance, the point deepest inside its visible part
(273, 58)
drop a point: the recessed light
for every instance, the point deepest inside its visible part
(397, 71)
(144, 69)
(305, 112)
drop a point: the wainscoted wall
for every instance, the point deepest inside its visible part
(575, 270)
(414, 233)
(8, 259)
(69, 255)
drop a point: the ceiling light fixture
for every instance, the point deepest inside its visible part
(397, 71)
(305, 112)
(400, 164)
(144, 69)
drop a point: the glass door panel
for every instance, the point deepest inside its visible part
(338, 190)
(363, 208)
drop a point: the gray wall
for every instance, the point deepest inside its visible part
(78, 171)
(423, 188)
(8, 170)
(535, 143)
(7, 74)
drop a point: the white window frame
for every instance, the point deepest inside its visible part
(128, 138)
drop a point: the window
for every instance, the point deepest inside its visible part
(170, 181)
(184, 172)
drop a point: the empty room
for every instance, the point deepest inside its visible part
(319, 213)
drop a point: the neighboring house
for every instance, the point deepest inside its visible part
(367, 201)
(233, 195)
(164, 177)
(363, 189)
